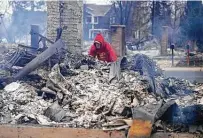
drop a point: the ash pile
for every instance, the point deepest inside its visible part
(76, 92)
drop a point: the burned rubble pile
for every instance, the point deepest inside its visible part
(6, 54)
(160, 85)
(77, 93)
(80, 97)
(180, 107)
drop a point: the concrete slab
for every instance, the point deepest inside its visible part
(17, 131)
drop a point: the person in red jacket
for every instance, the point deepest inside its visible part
(102, 50)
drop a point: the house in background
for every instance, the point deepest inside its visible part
(97, 19)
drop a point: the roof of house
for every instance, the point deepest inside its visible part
(98, 10)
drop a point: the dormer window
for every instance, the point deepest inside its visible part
(88, 19)
(112, 20)
(95, 20)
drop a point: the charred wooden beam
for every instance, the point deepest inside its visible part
(48, 40)
(41, 58)
(47, 90)
(29, 47)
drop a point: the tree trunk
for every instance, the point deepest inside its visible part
(152, 16)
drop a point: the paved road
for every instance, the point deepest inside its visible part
(191, 74)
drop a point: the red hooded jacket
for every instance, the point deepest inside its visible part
(105, 53)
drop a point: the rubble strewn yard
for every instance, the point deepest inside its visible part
(77, 93)
(104, 69)
(86, 97)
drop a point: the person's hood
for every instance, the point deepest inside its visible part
(99, 38)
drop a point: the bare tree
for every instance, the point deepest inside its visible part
(141, 19)
(22, 14)
(122, 10)
(3, 21)
(160, 16)
(177, 12)
(22, 5)
(178, 9)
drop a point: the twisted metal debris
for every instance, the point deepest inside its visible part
(159, 85)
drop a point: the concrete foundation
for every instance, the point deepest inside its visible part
(18, 131)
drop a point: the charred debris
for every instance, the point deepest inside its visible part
(55, 88)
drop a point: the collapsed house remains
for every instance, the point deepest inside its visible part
(76, 93)
(57, 86)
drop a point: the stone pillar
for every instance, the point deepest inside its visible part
(118, 39)
(52, 19)
(164, 41)
(71, 22)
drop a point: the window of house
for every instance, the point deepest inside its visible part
(113, 20)
(89, 19)
(96, 20)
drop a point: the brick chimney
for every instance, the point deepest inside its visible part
(164, 41)
(118, 39)
(71, 22)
